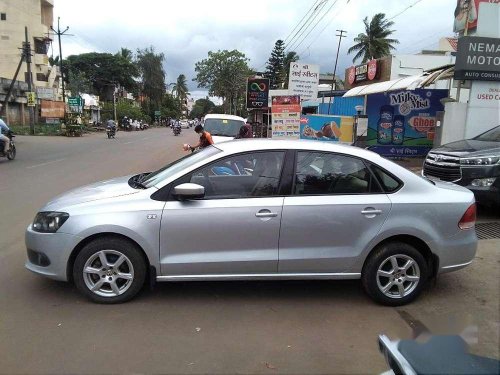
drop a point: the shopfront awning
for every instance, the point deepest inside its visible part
(407, 83)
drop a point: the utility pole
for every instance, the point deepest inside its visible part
(58, 32)
(340, 35)
(27, 54)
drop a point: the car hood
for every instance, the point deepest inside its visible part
(220, 138)
(468, 147)
(100, 190)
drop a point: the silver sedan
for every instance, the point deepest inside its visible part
(258, 209)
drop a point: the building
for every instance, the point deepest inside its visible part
(37, 16)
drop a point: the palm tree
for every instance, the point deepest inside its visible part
(290, 57)
(374, 44)
(125, 53)
(180, 89)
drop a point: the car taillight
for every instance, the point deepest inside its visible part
(468, 220)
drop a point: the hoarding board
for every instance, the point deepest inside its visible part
(402, 123)
(51, 109)
(478, 59)
(461, 14)
(257, 93)
(285, 112)
(303, 80)
(327, 128)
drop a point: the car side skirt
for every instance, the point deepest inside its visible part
(264, 276)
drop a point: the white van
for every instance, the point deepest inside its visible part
(223, 127)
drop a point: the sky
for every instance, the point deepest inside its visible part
(185, 31)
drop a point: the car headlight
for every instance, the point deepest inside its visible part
(483, 160)
(49, 222)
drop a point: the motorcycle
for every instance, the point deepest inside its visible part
(176, 129)
(11, 153)
(110, 131)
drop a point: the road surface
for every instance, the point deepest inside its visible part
(213, 327)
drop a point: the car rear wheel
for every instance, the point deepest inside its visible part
(394, 274)
(109, 270)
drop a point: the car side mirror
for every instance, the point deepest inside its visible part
(189, 191)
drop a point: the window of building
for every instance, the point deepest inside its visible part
(41, 77)
(320, 173)
(3, 16)
(40, 47)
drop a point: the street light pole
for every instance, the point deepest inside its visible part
(59, 33)
(341, 35)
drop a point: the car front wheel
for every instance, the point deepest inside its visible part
(109, 270)
(394, 274)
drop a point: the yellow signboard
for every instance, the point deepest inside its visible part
(31, 99)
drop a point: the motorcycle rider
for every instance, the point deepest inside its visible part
(4, 130)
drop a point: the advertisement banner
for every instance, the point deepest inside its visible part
(461, 14)
(52, 109)
(286, 116)
(303, 80)
(257, 93)
(402, 123)
(327, 128)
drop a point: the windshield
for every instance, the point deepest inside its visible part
(492, 135)
(178, 165)
(223, 127)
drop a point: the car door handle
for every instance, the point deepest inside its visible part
(266, 213)
(371, 212)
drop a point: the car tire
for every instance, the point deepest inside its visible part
(114, 267)
(385, 279)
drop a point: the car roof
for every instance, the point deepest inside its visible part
(225, 117)
(256, 144)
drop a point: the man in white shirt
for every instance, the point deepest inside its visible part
(4, 129)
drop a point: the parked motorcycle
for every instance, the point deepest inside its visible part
(110, 131)
(11, 154)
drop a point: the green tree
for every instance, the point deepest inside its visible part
(123, 108)
(181, 90)
(103, 70)
(224, 74)
(275, 68)
(53, 60)
(78, 83)
(374, 42)
(290, 58)
(126, 54)
(201, 108)
(152, 74)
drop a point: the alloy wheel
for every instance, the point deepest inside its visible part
(108, 273)
(398, 276)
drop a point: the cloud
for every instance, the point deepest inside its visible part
(186, 30)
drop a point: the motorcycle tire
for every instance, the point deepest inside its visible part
(11, 155)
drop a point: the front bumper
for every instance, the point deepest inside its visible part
(48, 253)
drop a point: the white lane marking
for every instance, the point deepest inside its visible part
(127, 143)
(143, 139)
(46, 163)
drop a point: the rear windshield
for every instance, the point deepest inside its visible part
(492, 135)
(223, 127)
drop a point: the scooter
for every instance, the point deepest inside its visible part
(11, 153)
(110, 131)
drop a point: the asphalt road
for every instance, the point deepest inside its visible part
(212, 327)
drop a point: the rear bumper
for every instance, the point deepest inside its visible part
(456, 252)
